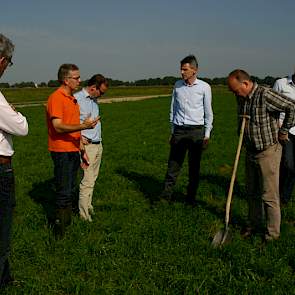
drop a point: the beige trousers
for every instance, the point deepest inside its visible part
(94, 153)
(262, 173)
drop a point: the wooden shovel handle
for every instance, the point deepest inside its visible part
(233, 177)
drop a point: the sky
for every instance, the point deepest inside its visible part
(130, 40)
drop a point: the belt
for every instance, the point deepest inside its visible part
(188, 127)
(5, 159)
(90, 141)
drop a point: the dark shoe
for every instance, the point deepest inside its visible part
(7, 281)
(247, 232)
(191, 201)
(68, 216)
(165, 196)
(62, 220)
(75, 210)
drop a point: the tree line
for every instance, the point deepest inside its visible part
(165, 81)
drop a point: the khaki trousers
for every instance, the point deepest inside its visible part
(262, 173)
(94, 153)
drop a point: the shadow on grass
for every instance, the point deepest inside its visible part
(222, 183)
(148, 185)
(152, 188)
(43, 194)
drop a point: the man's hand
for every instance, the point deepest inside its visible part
(205, 143)
(84, 141)
(90, 123)
(283, 137)
(84, 160)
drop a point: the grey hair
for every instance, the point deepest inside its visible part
(6, 46)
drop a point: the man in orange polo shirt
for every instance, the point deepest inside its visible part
(63, 121)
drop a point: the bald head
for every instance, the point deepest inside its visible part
(239, 82)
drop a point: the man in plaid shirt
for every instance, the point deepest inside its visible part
(262, 140)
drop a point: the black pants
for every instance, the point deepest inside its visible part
(287, 170)
(7, 203)
(66, 166)
(185, 139)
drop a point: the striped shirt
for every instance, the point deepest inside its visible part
(264, 106)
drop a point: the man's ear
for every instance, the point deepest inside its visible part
(246, 83)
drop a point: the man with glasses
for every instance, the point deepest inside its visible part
(11, 123)
(97, 85)
(63, 120)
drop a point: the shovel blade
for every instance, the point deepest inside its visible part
(221, 237)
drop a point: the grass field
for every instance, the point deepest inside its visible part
(25, 95)
(136, 245)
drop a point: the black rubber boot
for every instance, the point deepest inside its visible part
(68, 216)
(60, 223)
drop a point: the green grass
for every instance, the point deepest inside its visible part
(25, 95)
(134, 245)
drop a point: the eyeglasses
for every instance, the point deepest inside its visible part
(75, 78)
(9, 62)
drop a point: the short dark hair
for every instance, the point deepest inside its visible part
(64, 71)
(97, 80)
(239, 75)
(190, 59)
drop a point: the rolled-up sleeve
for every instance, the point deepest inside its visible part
(280, 103)
(13, 122)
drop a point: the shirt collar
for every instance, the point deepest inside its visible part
(255, 86)
(195, 83)
(86, 93)
(290, 81)
(60, 89)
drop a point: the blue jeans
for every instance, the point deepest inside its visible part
(287, 170)
(66, 166)
(7, 203)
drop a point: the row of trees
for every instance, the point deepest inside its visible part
(166, 81)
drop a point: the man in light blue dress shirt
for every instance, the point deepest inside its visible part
(87, 99)
(191, 119)
(286, 86)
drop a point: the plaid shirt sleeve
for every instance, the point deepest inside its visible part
(276, 102)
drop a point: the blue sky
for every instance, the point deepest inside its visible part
(130, 40)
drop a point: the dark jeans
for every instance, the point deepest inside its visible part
(7, 203)
(287, 170)
(185, 140)
(66, 166)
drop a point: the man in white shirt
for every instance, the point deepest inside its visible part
(286, 86)
(191, 119)
(11, 123)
